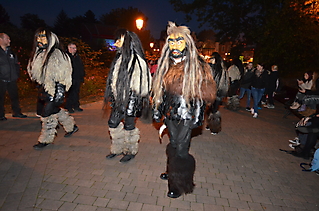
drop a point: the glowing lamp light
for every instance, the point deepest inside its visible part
(151, 44)
(139, 23)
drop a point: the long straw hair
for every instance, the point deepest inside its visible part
(131, 48)
(53, 43)
(193, 69)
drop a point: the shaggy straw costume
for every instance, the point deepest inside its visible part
(128, 85)
(51, 68)
(183, 83)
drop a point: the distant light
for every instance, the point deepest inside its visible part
(151, 44)
(139, 23)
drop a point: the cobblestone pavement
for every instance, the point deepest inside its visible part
(241, 168)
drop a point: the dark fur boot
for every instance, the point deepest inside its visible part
(214, 122)
(233, 103)
(170, 152)
(180, 175)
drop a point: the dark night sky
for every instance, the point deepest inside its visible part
(159, 12)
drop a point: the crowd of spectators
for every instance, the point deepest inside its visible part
(258, 83)
(262, 84)
(307, 129)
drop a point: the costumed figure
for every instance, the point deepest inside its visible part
(182, 84)
(222, 81)
(51, 68)
(128, 87)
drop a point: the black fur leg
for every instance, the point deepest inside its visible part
(180, 175)
(170, 152)
(214, 122)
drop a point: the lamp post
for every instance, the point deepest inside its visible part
(139, 23)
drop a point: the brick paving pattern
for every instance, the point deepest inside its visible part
(239, 169)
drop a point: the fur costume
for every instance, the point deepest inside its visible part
(118, 138)
(51, 68)
(181, 171)
(57, 69)
(49, 124)
(221, 78)
(182, 85)
(214, 122)
(124, 141)
(128, 87)
(233, 103)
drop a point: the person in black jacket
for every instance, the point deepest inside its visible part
(272, 86)
(78, 73)
(245, 83)
(9, 73)
(258, 87)
(307, 125)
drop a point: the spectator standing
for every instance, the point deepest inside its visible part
(258, 86)
(245, 83)
(9, 74)
(72, 101)
(272, 86)
(235, 72)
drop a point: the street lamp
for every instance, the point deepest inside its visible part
(139, 23)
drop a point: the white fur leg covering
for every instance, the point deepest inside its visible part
(48, 130)
(117, 135)
(131, 141)
(66, 120)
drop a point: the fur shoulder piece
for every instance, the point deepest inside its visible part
(174, 78)
(58, 69)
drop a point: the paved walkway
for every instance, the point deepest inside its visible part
(239, 169)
